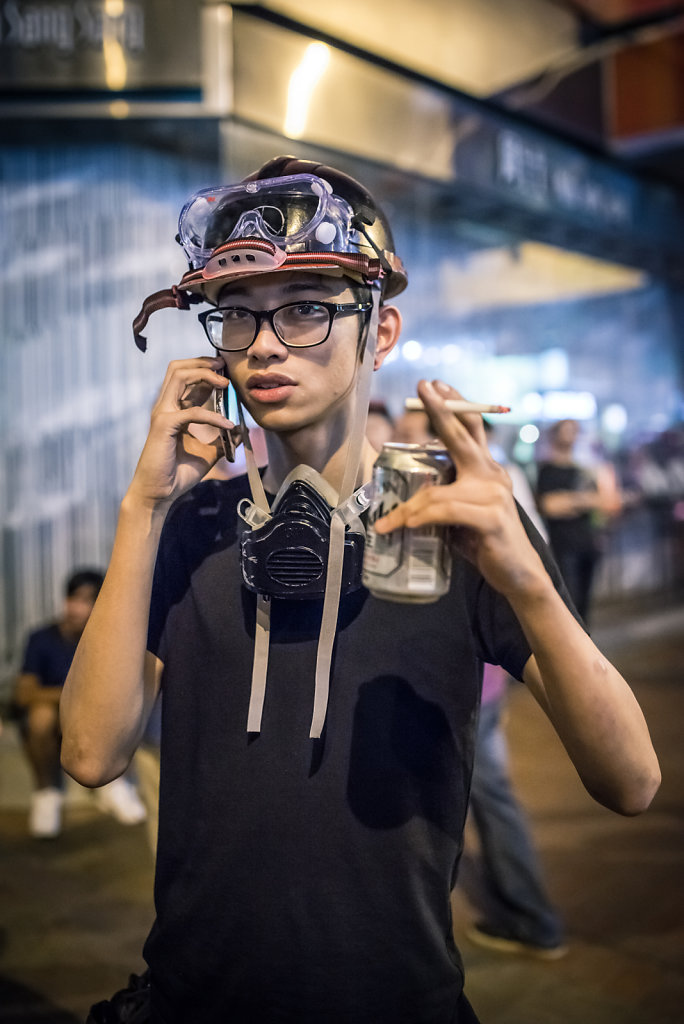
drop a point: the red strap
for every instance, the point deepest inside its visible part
(370, 268)
(188, 289)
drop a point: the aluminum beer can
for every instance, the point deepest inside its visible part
(408, 565)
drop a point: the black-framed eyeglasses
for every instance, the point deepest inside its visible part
(297, 324)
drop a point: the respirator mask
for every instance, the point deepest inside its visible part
(285, 554)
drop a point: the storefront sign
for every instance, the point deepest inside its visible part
(99, 44)
(568, 182)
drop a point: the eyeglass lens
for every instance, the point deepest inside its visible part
(298, 324)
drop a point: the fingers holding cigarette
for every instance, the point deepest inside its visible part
(456, 421)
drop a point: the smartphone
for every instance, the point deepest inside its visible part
(221, 407)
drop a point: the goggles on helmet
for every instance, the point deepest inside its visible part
(297, 213)
(294, 222)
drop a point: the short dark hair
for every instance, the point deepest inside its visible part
(84, 578)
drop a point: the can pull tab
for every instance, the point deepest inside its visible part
(356, 503)
(252, 514)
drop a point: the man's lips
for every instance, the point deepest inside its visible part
(270, 387)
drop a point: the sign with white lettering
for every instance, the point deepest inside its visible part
(546, 177)
(115, 45)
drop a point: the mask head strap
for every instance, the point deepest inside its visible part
(263, 606)
(331, 600)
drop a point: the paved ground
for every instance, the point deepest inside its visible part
(74, 912)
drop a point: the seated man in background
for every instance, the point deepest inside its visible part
(47, 659)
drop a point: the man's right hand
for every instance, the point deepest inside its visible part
(172, 460)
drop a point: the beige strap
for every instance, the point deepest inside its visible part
(253, 474)
(262, 627)
(260, 663)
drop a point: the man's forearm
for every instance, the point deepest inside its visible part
(106, 700)
(589, 703)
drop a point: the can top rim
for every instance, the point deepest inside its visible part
(410, 446)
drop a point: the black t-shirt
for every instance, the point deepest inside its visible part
(307, 881)
(572, 534)
(49, 655)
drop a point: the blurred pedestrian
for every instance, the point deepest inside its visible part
(517, 915)
(413, 427)
(379, 425)
(516, 912)
(48, 655)
(575, 501)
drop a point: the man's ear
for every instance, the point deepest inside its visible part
(389, 329)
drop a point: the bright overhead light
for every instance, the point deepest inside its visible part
(532, 403)
(116, 70)
(614, 418)
(569, 405)
(412, 351)
(303, 81)
(451, 353)
(119, 109)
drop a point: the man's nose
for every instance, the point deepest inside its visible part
(267, 343)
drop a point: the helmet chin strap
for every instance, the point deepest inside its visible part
(331, 600)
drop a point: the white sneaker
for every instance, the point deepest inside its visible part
(121, 799)
(45, 816)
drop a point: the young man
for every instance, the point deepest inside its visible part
(309, 836)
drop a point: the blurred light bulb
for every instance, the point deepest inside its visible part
(412, 351)
(528, 434)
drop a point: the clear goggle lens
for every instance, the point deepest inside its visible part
(297, 212)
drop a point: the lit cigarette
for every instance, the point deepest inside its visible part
(457, 405)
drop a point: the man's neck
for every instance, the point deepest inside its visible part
(318, 447)
(70, 631)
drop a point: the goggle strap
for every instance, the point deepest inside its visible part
(380, 253)
(333, 584)
(245, 243)
(369, 267)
